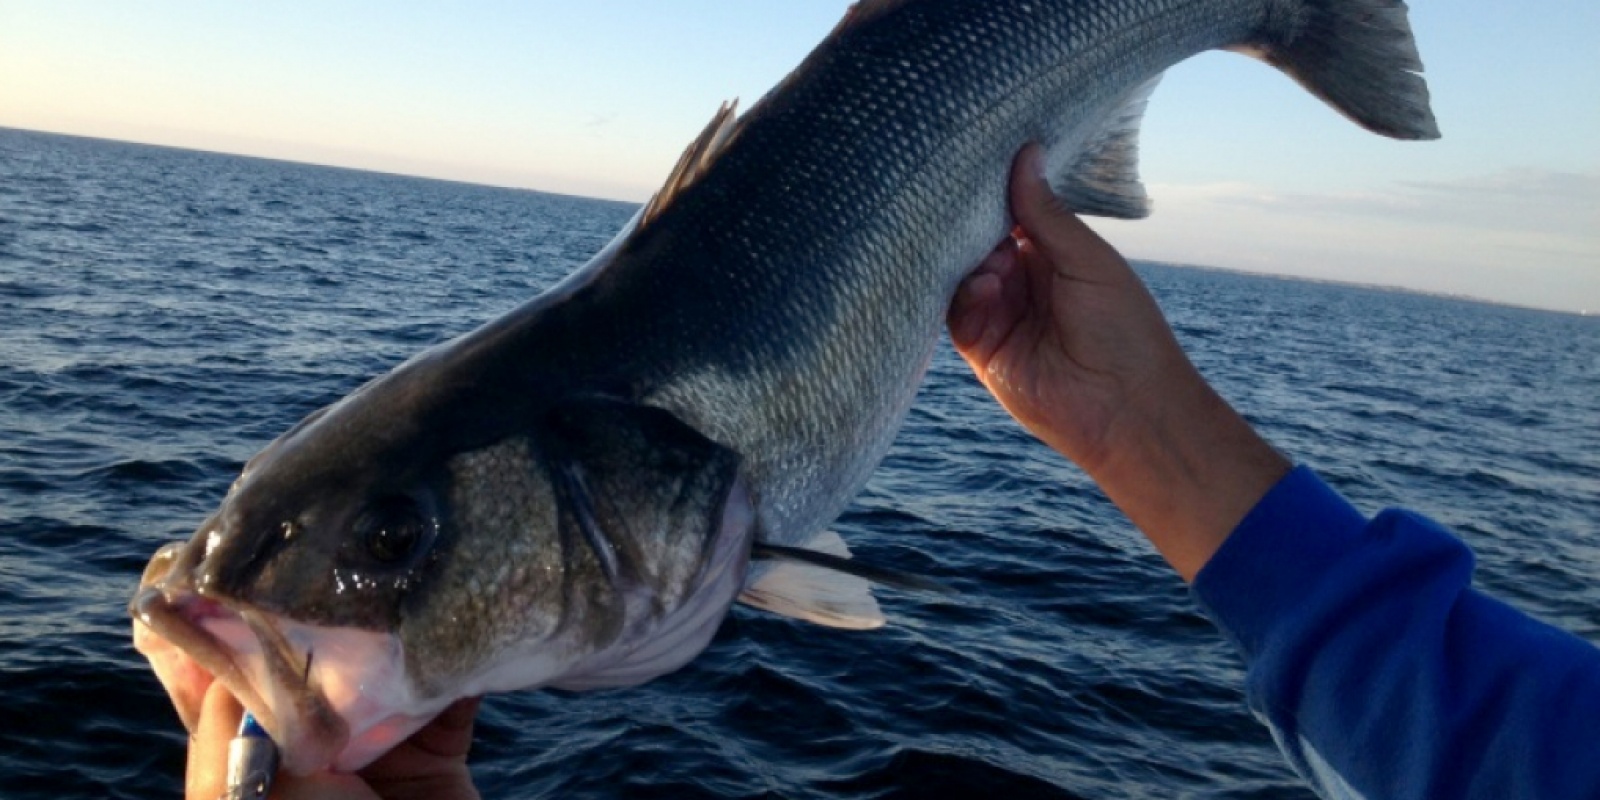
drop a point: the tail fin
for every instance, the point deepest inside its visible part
(1359, 56)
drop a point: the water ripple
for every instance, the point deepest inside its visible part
(164, 313)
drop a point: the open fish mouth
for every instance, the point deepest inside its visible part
(272, 667)
(188, 637)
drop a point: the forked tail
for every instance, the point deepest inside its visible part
(1358, 55)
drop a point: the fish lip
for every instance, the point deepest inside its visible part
(313, 734)
(166, 617)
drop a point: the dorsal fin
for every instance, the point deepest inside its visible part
(696, 159)
(725, 125)
(1105, 178)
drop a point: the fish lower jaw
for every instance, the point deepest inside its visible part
(331, 698)
(192, 641)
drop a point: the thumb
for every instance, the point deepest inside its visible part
(1061, 237)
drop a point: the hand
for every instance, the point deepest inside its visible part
(1060, 329)
(1067, 338)
(431, 765)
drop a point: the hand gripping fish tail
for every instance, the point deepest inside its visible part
(575, 494)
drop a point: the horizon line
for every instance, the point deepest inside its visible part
(1457, 296)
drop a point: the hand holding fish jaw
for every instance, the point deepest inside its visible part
(432, 763)
(1069, 340)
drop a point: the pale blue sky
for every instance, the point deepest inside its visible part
(598, 98)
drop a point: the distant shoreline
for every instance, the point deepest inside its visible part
(1375, 287)
(1466, 298)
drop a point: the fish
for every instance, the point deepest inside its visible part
(575, 494)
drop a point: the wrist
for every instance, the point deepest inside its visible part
(1186, 468)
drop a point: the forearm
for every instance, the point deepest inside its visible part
(1185, 468)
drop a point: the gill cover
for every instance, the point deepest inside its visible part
(601, 546)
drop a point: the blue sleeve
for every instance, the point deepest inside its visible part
(1382, 673)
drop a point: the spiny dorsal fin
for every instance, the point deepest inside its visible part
(725, 125)
(1105, 179)
(696, 159)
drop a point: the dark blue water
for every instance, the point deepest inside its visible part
(164, 313)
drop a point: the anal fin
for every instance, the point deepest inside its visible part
(1104, 180)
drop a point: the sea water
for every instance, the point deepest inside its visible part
(165, 313)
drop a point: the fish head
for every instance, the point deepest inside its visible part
(365, 571)
(293, 592)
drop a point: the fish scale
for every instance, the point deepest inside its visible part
(572, 495)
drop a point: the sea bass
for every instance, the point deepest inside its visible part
(573, 495)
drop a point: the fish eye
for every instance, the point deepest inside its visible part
(392, 529)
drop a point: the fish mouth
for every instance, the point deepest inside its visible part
(191, 638)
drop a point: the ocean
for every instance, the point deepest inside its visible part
(165, 313)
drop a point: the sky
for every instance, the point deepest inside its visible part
(598, 98)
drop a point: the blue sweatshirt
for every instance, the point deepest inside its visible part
(1382, 673)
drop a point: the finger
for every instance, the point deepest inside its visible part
(321, 786)
(188, 694)
(969, 309)
(206, 776)
(437, 750)
(449, 735)
(1060, 236)
(986, 307)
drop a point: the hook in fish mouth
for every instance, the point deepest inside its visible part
(330, 697)
(191, 637)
